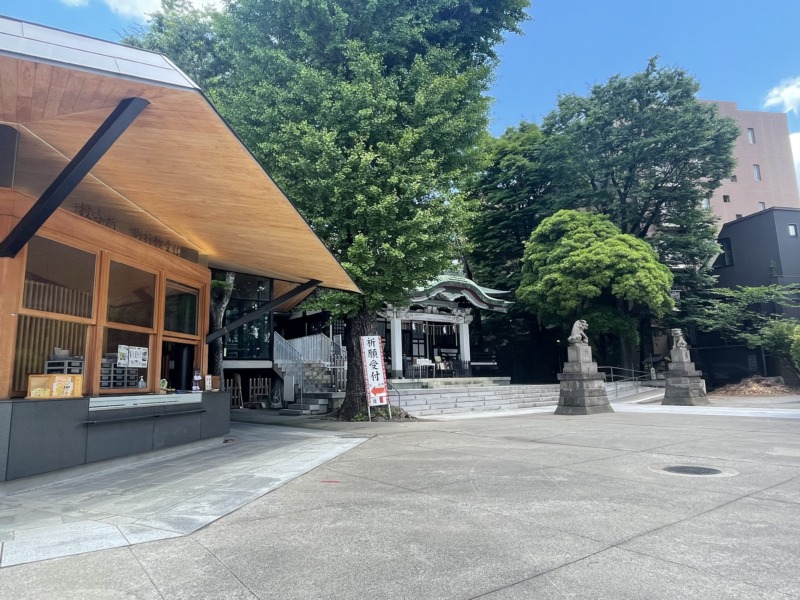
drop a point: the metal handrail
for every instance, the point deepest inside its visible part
(623, 375)
(318, 348)
(289, 360)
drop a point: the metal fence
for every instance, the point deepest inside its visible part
(318, 348)
(621, 381)
(290, 361)
(436, 369)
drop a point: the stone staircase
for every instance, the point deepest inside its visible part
(448, 382)
(455, 399)
(315, 403)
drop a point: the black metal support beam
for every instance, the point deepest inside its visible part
(88, 156)
(269, 306)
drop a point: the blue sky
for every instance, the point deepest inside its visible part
(739, 50)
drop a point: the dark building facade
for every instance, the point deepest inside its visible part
(757, 250)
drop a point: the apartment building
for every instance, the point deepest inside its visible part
(764, 176)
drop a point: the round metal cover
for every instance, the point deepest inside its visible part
(692, 470)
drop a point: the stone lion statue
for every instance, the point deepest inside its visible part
(677, 339)
(578, 334)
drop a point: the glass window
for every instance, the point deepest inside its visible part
(726, 198)
(126, 360)
(734, 179)
(251, 287)
(251, 340)
(751, 135)
(762, 206)
(131, 295)
(757, 172)
(727, 252)
(792, 230)
(37, 341)
(59, 278)
(180, 308)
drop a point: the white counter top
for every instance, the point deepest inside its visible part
(143, 400)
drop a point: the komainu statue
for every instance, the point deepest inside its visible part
(677, 339)
(578, 334)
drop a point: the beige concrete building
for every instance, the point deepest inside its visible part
(765, 174)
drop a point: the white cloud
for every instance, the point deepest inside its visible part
(139, 9)
(785, 95)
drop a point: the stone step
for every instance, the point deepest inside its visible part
(490, 408)
(292, 412)
(322, 394)
(314, 407)
(470, 399)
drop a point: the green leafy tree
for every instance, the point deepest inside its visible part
(504, 202)
(752, 316)
(644, 151)
(368, 115)
(576, 262)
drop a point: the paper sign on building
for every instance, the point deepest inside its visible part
(374, 370)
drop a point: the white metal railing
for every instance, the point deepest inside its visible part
(321, 349)
(291, 363)
(318, 348)
(619, 380)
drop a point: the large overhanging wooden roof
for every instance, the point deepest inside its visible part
(178, 175)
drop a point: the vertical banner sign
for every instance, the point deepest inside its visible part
(374, 370)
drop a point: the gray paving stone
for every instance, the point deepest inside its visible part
(625, 575)
(750, 540)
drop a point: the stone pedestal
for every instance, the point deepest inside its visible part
(684, 384)
(583, 390)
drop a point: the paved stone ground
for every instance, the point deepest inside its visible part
(525, 506)
(95, 508)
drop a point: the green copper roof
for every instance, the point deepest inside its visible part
(451, 287)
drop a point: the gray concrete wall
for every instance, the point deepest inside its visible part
(39, 436)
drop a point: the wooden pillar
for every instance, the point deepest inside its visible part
(12, 275)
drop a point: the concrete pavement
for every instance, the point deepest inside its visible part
(525, 506)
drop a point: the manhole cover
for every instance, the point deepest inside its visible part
(691, 470)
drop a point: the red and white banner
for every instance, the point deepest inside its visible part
(374, 370)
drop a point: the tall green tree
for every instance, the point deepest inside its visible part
(505, 204)
(644, 151)
(368, 115)
(579, 264)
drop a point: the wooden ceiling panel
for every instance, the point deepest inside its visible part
(178, 170)
(55, 92)
(25, 87)
(8, 89)
(42, 77)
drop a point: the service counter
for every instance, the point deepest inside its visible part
(39, 436)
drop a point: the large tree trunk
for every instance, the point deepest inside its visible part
(220, 296)
(363, 323)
